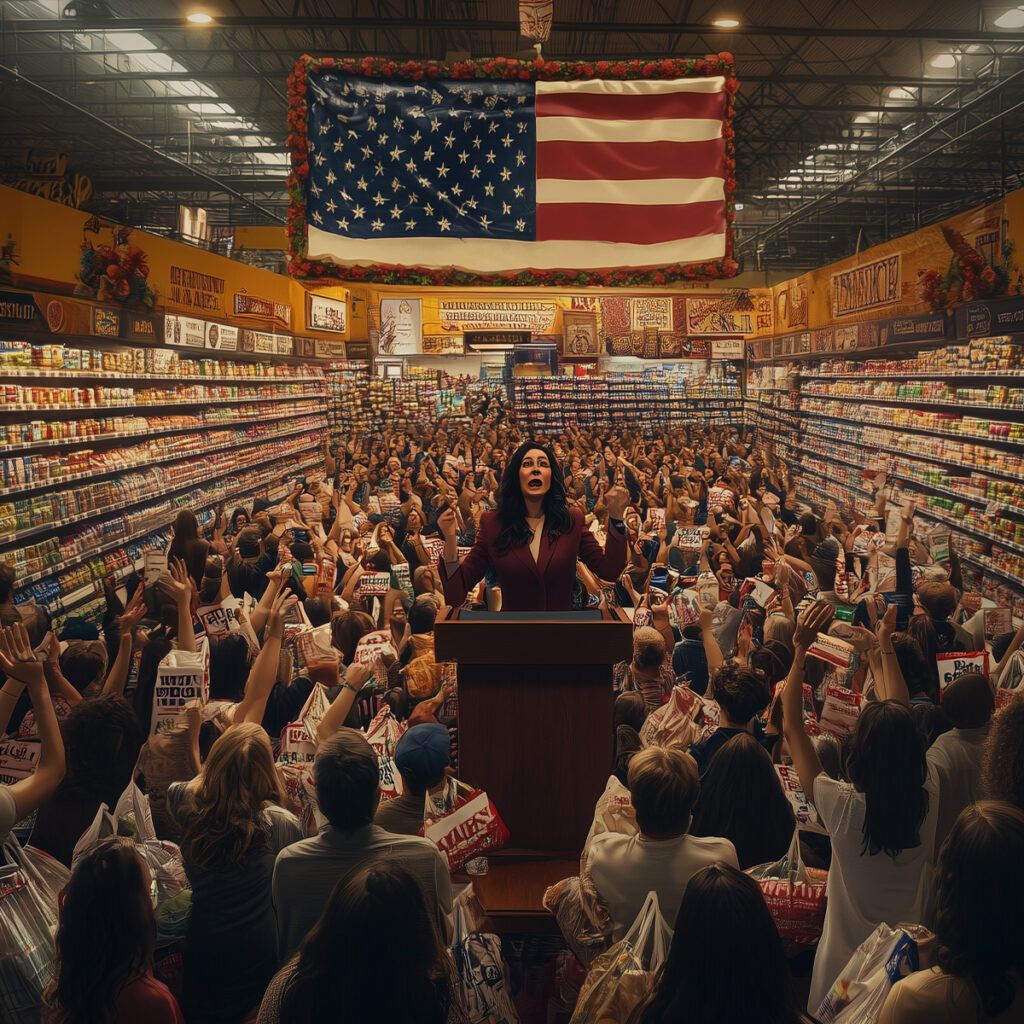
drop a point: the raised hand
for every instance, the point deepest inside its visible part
(813, 620)
(178, 582)
(127, 621)
(17, 659)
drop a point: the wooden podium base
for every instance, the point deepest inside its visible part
(510, 893)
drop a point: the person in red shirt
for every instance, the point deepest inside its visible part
(104, 944)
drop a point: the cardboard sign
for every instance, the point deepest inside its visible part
(296, 748)
(313, 711)
(374, 583)
(960, 663)
(435, 548)
(217, 620)
(720, 498)
(997, 622)
(18, 759)
(841, 709)
(707, 589)
(832, 650)
(373, 504)
(657, 518)
(806, 816)
(692, 538)
(401, 580)
(971, 602)
(182, 677)
(154, 566)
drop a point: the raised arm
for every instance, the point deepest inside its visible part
(126, 623)
(18, 662)
(264, 669)
(812, 621)
(180, 587)
(334, 717)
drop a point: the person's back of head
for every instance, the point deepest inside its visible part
(887, 764)
(83, 663)
(421, 755)
(376, 952)
(741, 800)
(979, 893)
(213, 573)
(968, 701)
(725, 947)
(740, 692)
(318, 610)
(106, 933)
(347, 777)
(774, 659)
(648, 647)
(230, 661)
(347, 629)
(664, 785)
(937, 599)
(422, 615)
(244, 578)
(102, 737)
(920, 674)
(1002, 770)
(249, 542)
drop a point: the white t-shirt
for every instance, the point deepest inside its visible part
(626, 868)
(863, 890)
(8, 812)
(954, 759)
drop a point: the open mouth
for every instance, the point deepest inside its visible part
(535, 484)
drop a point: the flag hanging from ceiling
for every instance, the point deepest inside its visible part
(515, 178)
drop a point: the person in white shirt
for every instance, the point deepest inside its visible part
(664, 786)
(882, 823)
(955, 758)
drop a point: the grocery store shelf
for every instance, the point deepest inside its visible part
(914, 429)
(28, 407)
(49, 374)
(201, 451)
(16, 447)
(958, 524)
(53, 570)
(910, 375)
(902, 400)
(986, 565)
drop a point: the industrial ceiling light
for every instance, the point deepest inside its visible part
(85, 9)
(1013, 18)
(726, 23)
(943, 61)
(899, 92)
(199, 18)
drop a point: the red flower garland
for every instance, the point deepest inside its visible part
(504, 68)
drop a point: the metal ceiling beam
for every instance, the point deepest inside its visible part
(304, 23)
(127, 137)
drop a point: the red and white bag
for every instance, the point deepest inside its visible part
(674, 723)
(471, 828)
(383, 735)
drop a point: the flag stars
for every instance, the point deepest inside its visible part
(331, 178)
(324, 129)
(396, 185)
(361, 183)
(346, 196)
(315, 189)
(442, 171)
(475, 172)
(382, 140)
(485, 223)
(449, 141)
(507, 141)
(318, 157)
(396, 153)
(411, 166)
(463, 157)
(409, 225)
(434, 124)
(317, 217)
(367, 152)
(396, 212)
(371, 123)
(444, 224)
(428, 154)
(378, 171)
(492, 127)
(476, 142)
(397, 124)
(428, 209)
(505, 174)
(520, 225)
(331, 206)
(520, 158)
(415, 137)
(338, 144)
(490, 157)
(357, 212)
(488, 189)
(472, 203)
(518, 191)
(378, 199)
(377, 225)
(505, 208)
(457, 189)
(343, 224)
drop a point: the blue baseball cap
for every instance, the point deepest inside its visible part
(424, 752)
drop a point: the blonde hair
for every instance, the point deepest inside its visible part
(223, 816)
(648, 647)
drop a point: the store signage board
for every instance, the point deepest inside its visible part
(258, 308)
(998, 316)
(531, 315)
(727, 348)
(326, 314)
(184, 331)
(221, 337)
(443, 344)
(196, 291)
(328, 348)
(17, 308)
(401, 327)
(870, 286)
(106, 322)
(916, 328)
(713, 316)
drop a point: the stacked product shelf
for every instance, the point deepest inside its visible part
(85, 487)
(948, 426)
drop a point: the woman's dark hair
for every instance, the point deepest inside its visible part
(376, 928)
(238, 512)
(741, 800)
(230, 661)
(103, 737)
(105, 937)
(887, 764)
(1002, 768)
(187, 545)
(979, 891)
(725, 947)
(155, 650)
(920, 675)
(515, 532)
(347, 629)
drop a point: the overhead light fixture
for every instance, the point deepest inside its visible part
(199, 18)
(1013, 18)
(943, 61)
(86, 9)
(726, 23)
(900, 92)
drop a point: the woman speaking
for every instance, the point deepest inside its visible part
(534, 539)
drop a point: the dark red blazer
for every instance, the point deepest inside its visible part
(544, 585)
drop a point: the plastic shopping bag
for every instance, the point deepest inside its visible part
(46, 873)
(383, 735)
(619, 979)
(468, 829)
(483, 976)
(26, 947)
(882, 959)
(674, 723)
(572, 911)
(795, 895)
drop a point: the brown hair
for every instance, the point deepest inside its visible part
(648, 647)
(1002, 770)
(664, 785)
(937, 599)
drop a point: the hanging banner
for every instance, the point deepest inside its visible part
(535, 19)
(255, 307)
(443, 344)
(721, 315)
(401, 327)
(871, 286)
(324, 314)
(537, 317)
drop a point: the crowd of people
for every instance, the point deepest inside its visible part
(781, 638)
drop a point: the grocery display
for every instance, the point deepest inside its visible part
(97, 470)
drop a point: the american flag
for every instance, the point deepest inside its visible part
(496, 176)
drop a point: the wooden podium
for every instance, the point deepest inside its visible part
(535, 716)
